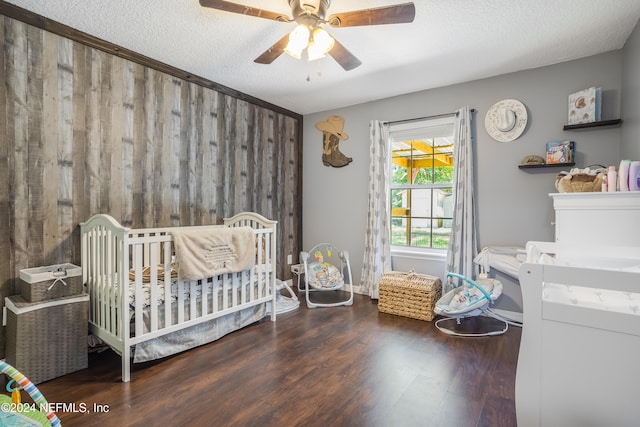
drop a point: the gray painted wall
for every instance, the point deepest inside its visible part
(630, 146)
(514, 206)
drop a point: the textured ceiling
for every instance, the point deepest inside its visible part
(450, 41)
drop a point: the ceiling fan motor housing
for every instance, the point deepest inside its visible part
(309, 12)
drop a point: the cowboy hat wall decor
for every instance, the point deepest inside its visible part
(332, 133)
(506, 120)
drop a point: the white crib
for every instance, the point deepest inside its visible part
(579, 360)
(126, 270)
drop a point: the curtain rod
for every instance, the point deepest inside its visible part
(426, 117)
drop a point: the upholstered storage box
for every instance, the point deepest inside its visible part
(409, 294)
(53, 281)
(48, 339)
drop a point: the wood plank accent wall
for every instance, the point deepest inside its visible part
(83, 131)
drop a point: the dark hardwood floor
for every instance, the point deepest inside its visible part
(343, 366)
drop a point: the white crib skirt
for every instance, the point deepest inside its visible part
(196, 335)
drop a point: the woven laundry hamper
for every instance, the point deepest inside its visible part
(52, 281)
(409, 294)
(47, 339)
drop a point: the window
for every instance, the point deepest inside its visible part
(421, 185)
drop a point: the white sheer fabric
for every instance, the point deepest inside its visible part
(463, 245)
(377, 252)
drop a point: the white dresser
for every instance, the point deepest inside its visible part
(598, 218)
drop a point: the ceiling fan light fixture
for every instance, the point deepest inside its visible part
(310, 15)
(320, 44)
(298, 41)
(314, 52)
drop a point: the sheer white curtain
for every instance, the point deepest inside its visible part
(377, 252)
(463, 245)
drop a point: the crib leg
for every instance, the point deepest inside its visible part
(126, 364)
(273, 305)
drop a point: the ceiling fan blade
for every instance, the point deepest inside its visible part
(395, 14)
(271, 54)
(244, 10)
(343, 57)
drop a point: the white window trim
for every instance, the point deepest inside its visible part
(434, 254)
(406, 130)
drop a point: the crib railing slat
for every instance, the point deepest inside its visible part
(111, 281)
(123, 325)
(168, 267)
(193, 292)
(154, 261)
(225, 291)
(204, 298)
(138, 290)
(181, 295)
(104, 278)
(215, 294)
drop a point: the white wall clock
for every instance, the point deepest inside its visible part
(506, 120)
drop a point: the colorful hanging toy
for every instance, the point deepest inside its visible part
(20, 382)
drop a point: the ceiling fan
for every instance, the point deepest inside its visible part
(309, 34)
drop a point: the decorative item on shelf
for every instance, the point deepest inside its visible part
(623, 174)
(585, 106)
(560, 152)
(625, 178)
(333, 132)
(531, 160)
(506, 120)
(580, 180)
(634, 176)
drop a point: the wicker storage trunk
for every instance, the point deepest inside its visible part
(49, 339)
(52, 281)
(409, 294)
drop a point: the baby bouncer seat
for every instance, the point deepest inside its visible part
(467, 299)
(327, 269)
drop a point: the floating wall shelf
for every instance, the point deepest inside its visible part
(611, 123)
(554, 165)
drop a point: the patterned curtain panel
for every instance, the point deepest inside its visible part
(463, 245)
(377, 252)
